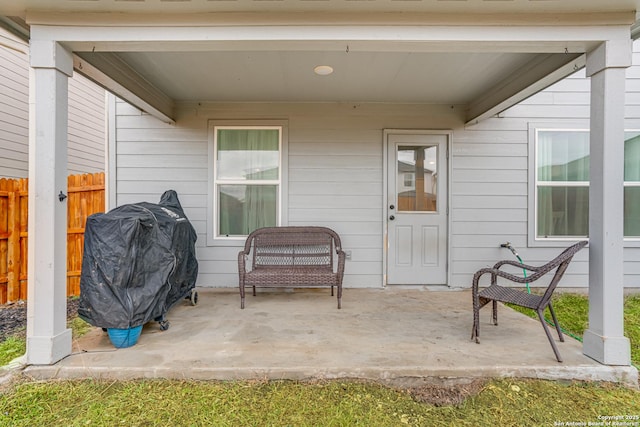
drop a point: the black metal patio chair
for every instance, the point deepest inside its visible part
(495, 292)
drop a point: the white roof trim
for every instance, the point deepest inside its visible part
(531, 82)
(126, 84)
(104, 40)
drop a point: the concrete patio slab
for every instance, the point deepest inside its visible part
(396, 336)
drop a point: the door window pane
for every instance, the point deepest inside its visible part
(419, 193)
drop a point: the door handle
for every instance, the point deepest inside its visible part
(391, 218)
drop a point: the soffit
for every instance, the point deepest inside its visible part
(285, 76)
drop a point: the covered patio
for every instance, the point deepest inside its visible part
(471, 59)
(403, 337)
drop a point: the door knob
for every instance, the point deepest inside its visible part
(392, 207)
(391, 218)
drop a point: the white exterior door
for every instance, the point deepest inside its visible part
(416, 209)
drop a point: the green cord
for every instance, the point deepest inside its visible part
(563, 330)
(524, 271)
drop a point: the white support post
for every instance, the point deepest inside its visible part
(604, 341)
(48, 339)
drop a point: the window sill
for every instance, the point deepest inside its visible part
(560, 243)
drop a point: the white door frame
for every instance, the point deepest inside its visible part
(385, 179)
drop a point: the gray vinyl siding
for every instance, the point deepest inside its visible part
(335, 176)
(491, 183)
(489, 180)
(335, 173)
(14, 110)
(87, 131)
(86, 140)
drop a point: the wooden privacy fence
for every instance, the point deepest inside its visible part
(86, 196)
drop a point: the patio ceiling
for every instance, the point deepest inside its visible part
(484, 77)
(288, 76)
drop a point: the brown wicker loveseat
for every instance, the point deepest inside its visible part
(291, 257)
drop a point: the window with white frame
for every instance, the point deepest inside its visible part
(562, 183)
(246, 178)
(632, 184)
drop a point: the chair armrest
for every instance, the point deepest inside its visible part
(516, 264)
(244, 253)
(342, 256)
(560, 264)
(564, 257)
(242, 259)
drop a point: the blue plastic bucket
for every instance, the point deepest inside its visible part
(123, 338)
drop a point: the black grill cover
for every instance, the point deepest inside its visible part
(139, 260)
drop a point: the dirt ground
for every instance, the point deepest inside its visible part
(446, 395)
(13, 317)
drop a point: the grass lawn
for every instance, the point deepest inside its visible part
(11, 348)
(508, 402)
(287, 403)
(16, 346)
(572, 311)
